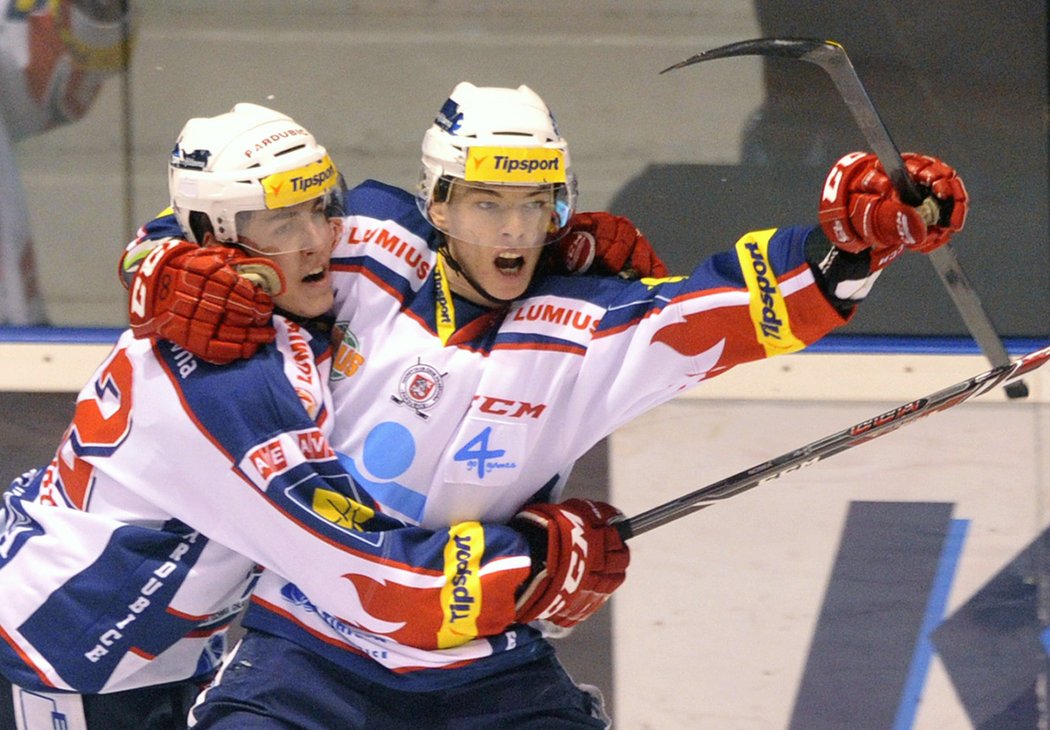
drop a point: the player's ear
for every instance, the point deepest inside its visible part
(439, 215)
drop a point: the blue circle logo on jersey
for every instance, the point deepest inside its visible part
(388, 452)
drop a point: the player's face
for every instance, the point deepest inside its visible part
(497, 234)
(299, 239)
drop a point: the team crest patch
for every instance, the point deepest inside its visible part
(420, 388)
(347, 358)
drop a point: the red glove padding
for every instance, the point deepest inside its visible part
(603, 243)
(195, 298)
(860, 209)
(586, 560)
(944, 183)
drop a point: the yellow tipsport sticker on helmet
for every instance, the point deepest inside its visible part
(523, 165)
(767, 306)
(297, 186)
(341, 510)
(461, 594)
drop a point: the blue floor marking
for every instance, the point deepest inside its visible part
(935, 607)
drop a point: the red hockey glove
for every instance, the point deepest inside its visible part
(196, 298)
(578, 560)
(860, 209)
(943, 183)
(603, 243)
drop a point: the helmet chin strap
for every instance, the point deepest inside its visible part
(446, 252)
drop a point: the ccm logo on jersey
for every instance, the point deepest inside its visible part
(276, 456)
(504, 407)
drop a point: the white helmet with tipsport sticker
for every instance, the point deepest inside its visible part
(251, 158)
(487, 138)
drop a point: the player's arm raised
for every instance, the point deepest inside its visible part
(774, 292)
(868, 226)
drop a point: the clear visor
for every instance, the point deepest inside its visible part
(501, 216)
(306, 226)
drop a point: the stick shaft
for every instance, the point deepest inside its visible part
(832, 58)
(830, 445)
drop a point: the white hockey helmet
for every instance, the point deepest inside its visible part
(497, 136)
(249, 159)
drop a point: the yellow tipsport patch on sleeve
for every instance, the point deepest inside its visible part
(341, 510)
(523, 165)
(297, 186)
(461, 594)
(768, 309)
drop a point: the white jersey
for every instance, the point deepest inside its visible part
(53, 59)
(124, 560)
(447, 412)
(118, 564)
(451, 417)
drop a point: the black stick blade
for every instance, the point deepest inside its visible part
(781, 47)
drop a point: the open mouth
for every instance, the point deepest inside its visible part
(509, 263)
(315, 275)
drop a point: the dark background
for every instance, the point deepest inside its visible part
(30, 429)
(965, 81)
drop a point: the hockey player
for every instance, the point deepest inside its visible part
(54, 56)
(123, 562)
(461, 382)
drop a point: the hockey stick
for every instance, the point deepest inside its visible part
(830, 445)
(832, 58)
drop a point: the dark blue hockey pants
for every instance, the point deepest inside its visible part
(274, 684)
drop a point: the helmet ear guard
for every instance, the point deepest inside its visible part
(249, 159)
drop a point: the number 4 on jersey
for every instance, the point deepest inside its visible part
(477, 453)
